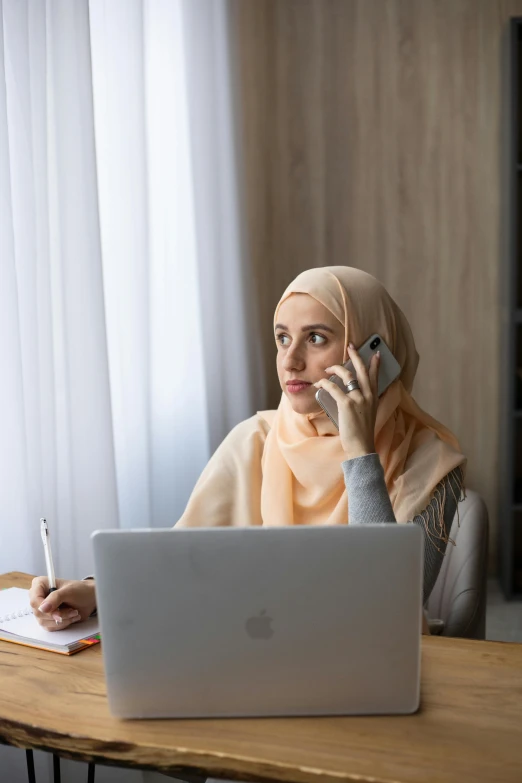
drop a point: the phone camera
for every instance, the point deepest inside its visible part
(375, 343)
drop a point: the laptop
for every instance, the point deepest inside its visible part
(236, 622)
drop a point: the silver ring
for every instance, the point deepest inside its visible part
(352, 386)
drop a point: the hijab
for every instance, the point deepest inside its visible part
(284, 468)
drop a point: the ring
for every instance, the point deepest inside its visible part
(352, 386)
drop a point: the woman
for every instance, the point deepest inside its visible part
(388, 462)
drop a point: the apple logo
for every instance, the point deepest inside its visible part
(260, 627)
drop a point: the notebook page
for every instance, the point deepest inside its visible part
(15, 599)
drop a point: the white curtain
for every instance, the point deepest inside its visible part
(125, 350)
(56, 442)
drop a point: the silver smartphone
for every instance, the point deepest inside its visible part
(389, 370)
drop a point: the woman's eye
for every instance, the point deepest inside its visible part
(315, 339)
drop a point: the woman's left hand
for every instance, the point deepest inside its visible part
(358, 408)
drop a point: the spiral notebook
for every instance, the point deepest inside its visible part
(18, 624)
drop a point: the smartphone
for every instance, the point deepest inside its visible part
(389, 370)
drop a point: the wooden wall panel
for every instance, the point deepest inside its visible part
(371, 136)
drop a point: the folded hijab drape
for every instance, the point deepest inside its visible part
(284, 468)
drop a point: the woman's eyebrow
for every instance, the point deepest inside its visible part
(307, 328)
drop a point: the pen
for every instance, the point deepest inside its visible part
(44, 532)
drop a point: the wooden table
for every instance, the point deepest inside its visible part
(469, 727)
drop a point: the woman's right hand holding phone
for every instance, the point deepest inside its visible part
(70, 603)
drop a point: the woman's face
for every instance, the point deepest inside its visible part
(309, 339)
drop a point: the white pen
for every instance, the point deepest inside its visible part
(44, 532)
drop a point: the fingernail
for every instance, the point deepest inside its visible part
(378, 354)
(76, 619)
(45, 606)
(72, 614)
(57, 618)
(351, 345)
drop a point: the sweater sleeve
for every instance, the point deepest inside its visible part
(369, 503)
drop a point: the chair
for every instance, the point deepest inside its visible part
(457, 604)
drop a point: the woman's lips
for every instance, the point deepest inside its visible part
(298, 386)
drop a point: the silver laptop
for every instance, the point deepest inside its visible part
(235, 622)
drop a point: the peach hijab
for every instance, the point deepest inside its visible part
(284, 468)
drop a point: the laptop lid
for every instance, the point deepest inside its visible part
(260, 621)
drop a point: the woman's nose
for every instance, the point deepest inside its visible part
(293, 360)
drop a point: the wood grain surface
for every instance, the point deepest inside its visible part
(372, 136)
(469, 727)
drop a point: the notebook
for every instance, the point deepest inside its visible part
(18, 624)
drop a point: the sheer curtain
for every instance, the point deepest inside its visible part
(125, 350)
(56, 445)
